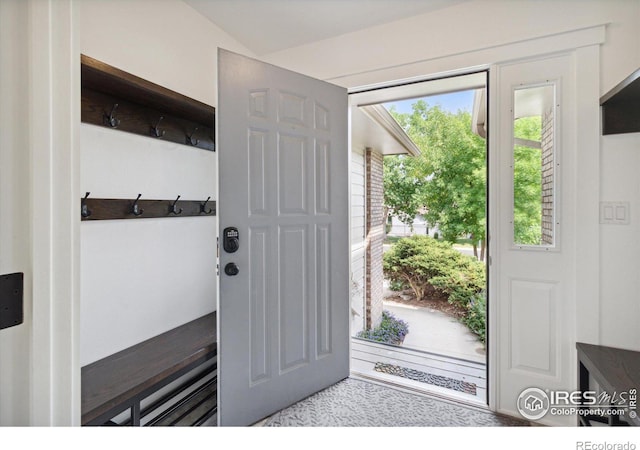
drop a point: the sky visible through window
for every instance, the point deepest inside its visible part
(451, 102)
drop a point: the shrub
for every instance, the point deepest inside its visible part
(421, 260)
(397, 285)
(476, 317)
(390, 331)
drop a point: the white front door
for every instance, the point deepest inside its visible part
(284, 173)
(534, 262)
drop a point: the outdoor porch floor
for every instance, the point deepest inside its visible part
(442, 375)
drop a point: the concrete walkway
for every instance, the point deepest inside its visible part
(434, 331)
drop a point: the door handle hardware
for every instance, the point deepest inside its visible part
(230, 240)
(231, 269)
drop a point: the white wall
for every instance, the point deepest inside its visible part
(39, 372)
(142, 277)
(620, 244)
(462, 35)
(15, 232)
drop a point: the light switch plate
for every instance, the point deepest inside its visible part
(614, 213)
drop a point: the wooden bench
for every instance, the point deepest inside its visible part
(121, 381)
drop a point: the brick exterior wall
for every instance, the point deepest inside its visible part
(374, 237)
(547, 178)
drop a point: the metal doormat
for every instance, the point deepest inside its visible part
(424, 377)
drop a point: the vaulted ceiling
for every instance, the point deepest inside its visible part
(267, 26)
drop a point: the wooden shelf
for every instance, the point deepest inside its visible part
(621, 107)
(141, 103)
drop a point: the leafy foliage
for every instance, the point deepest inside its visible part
(421, 261)
(401, 187)
(390, 331)
(476, 317)
(448, 179)
(397, 286)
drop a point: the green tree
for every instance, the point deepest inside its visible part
(401, 186)
(449, 177)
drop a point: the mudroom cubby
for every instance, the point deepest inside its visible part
(148, 285)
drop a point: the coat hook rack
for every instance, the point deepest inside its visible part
(135, 209)
(173, 209)
(124, 102)
(203, 207)
(190, 139)
(155, 131)
(123, 208)
(111, 119)
(84, 211)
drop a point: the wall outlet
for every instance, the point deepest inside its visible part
(614, 213)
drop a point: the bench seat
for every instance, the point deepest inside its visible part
(121, 381)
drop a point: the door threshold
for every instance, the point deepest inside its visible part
(422, 391)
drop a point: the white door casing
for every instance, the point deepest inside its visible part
(283, 158)
(535, 286)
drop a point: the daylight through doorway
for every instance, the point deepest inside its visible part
(419, 190)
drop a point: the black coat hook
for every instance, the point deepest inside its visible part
(111, 119)
(173, 209)
(190, 139)
(84, 210)
(155, 131)
(203, 207)
(135, 209)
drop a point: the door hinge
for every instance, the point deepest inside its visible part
(217, 256)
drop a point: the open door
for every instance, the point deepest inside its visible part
(284, 246)
(536, 229)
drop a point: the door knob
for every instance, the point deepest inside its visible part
(231, 269)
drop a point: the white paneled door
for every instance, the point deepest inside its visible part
(284, 250)
(536, 223)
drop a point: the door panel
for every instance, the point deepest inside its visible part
(535, 282)
(283, 319)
